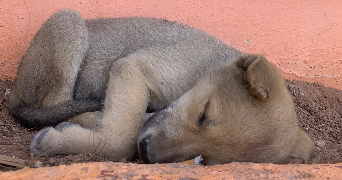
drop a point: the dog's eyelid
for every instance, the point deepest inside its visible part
(202, 116)
(201, 119)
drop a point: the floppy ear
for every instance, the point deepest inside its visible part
(263, 77)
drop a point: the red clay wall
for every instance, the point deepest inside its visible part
(302, 37)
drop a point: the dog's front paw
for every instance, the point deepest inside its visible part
(44, 143)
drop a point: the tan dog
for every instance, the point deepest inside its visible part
(103, 75)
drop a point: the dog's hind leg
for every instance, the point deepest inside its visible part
(89, 120)
(69, 44)
(43, 89)
(49, 68)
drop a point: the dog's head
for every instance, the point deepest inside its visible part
(239, 112)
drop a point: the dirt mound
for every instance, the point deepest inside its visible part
(319, 111)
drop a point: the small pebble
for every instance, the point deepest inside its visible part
(320, 143)
(198, 160)
(38, 164)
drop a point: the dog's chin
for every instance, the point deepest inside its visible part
(152, 158)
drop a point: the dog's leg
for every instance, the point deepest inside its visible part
(48, 71)
(53, 60)
(92, 120)
(67, 41)
(125, 107)
(89, 120)
(304, 149)
(49, 68)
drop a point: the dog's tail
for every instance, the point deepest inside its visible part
(51, 116)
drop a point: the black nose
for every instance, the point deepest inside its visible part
(143, 145)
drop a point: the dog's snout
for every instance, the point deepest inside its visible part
(143, 153)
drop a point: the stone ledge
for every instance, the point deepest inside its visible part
(110, 170)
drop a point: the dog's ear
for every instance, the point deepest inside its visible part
(263, 78)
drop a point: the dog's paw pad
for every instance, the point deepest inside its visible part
(36, 146)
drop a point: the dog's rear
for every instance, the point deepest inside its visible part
(43, 90)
